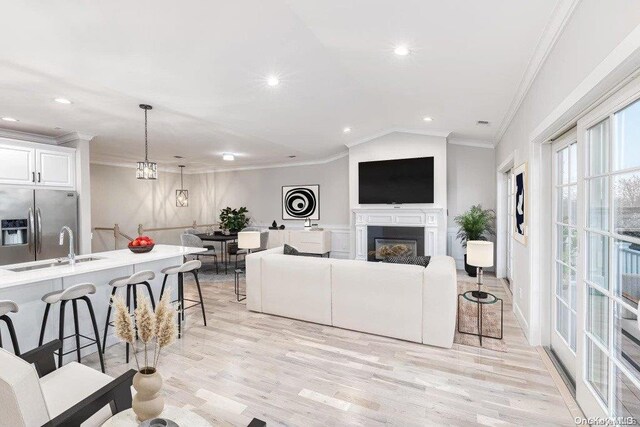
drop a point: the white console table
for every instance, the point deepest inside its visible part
(431, 219)
(316, 242)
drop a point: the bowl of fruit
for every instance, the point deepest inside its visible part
(141, 245)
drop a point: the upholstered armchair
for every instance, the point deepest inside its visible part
(34, 393)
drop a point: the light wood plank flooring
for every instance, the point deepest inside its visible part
(287, 372)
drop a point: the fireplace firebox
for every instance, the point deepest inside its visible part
(384, 242)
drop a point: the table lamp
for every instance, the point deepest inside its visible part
(479, 255)
(249, 240)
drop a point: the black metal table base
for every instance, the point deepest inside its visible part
(469, 296)
(236, 286)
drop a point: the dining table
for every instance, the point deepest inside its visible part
(218, 236)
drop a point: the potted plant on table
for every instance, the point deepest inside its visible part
(475, 224)
(156, 330)
(234, 220)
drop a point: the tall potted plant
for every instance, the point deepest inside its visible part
(475, 224)
(234, 220)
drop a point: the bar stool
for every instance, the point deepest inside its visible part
(7, 306)
(131, 282)
(73, 294)
(188, 267)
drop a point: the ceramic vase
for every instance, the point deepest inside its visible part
(148, 402)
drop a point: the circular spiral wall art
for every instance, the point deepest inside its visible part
(300, 202)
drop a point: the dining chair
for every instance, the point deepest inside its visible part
(193, 241)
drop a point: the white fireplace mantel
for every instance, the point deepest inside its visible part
(431, 219)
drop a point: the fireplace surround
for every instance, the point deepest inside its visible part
(428, 222)
(385, 241)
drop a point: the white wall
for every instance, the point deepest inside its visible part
(471, 180)
(595, 28)
(119, 198)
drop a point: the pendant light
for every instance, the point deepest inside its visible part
(146, 169)
(182, 195)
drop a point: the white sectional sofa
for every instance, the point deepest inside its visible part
(408, 302)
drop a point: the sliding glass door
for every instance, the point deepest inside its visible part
(609, 345)
(565, 251)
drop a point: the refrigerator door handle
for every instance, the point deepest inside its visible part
(31, 231)
(39, 235)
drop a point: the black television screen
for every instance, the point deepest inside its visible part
(396, 181)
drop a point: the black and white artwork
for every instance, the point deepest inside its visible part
(301, 202)
(520, 200)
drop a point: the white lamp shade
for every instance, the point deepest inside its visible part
(480, 253)
(249, 239)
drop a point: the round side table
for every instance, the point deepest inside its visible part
(481, 302)
(181, 416)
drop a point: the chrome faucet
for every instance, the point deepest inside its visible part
(72, 254)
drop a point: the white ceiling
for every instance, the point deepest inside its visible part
(202, 64)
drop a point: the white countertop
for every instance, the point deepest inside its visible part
(108, 260)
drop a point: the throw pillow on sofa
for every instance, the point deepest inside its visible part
(290, 250)
(413, 260)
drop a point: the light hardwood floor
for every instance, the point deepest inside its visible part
(288, 372)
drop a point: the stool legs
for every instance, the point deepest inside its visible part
(61, 332)
(95, 329)
(106, 325)
(180, 303)
(74, 304)
(12, 334)
(44, 324)
(204, 316)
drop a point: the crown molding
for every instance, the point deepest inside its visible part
(438, 133)
(550, 35)
(197, 171)
(285, 165)
(27, 136)
(72, 137)
(471, 143)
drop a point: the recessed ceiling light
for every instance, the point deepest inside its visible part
(346, 130)
(228, 157)
(9, 119)
(273, 81)
(62, 100)
(292, 157)
(401, 50)
(178, 157)
(427, 119)
(482, 122)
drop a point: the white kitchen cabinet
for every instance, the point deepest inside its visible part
(18, 165)
(55, 168)
(37, 165)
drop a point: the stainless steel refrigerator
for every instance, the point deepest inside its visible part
(30, 223)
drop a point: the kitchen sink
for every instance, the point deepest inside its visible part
(60, 262)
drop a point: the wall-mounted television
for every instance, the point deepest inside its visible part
(396, 181)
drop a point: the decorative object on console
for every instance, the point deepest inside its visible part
(155, 330)
(141, 245)
(274, 225)
(413, 260)
(307, 224)
(479, 255)
(301, 202)
(146, 169)
(182, 195)
(290, 250)
(520, 200)
(281, 227)
(234, 220)
(475, 224)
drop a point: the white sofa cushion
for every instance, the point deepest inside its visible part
(440, 302)
(71, 383)
(296, 286)
(379, 298)
(253, 262)
(21, 400)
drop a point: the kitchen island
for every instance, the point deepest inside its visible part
(26, 283)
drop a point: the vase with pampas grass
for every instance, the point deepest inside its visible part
(155, 330)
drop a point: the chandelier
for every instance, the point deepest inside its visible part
(182, 195)
(146, 169)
